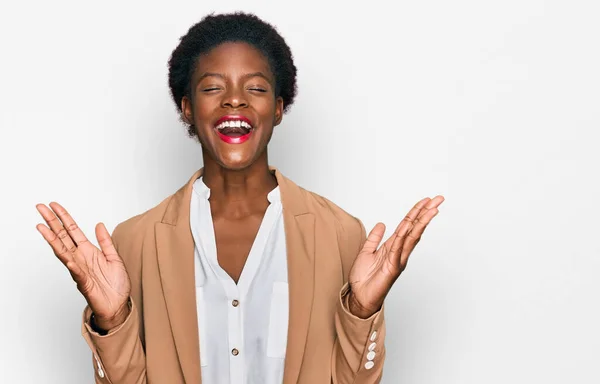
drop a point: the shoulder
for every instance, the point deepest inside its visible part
(322, 206)
(349, 229)
(301, 200)
(132, 230)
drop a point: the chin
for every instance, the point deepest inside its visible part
(235, 164)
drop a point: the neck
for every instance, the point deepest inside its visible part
(239, 186)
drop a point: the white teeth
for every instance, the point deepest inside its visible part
(233, 124)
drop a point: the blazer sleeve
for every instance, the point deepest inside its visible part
(359, 351)
(119, 357)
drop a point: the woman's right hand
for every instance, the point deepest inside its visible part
(100, 274)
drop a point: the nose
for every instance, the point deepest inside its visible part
(234, 98)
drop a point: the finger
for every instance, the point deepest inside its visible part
(394, 243)
(105, 242)
(77, 273)
(374, 238)
(414, 212)
(63, 254)
(398, 244)
(406, 222)
(414, 235)
(70, 225)
(59, 248)
(56, 226)
(421, 223)
(435, 202)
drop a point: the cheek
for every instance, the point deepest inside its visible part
(266, 108)
(203, 107)
(201, 112)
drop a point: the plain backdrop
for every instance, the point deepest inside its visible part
(493, 104)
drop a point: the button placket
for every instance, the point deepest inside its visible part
(236, 361)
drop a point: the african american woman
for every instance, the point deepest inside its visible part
(240, 276)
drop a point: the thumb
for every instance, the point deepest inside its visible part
(105, 242)
(374, 238)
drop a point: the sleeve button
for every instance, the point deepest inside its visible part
(369, 364)
(373, 336)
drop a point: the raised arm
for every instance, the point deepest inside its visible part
(100, 274)
(359, 351)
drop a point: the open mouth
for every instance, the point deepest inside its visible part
(234, 129)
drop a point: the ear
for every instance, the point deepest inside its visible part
(278, 111)
(187, 110)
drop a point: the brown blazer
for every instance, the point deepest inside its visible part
(158, 343)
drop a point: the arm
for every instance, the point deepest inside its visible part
(359, 317)
(352, 360)
(102, 278)
(118, 355)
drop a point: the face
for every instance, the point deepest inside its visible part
(233, 104)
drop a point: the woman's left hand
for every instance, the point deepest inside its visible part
(375, 270)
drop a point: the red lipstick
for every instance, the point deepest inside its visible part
(234, 139)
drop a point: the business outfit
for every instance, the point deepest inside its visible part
(169, 335)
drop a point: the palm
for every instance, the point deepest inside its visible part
(376, 269)
(99, 273)
(106, 284)
(369, 276)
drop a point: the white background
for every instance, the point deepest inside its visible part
(493, 104)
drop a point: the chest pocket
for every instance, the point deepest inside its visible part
(278, 321)
(202, 326)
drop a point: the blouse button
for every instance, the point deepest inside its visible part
(235, 303)
(235, 352)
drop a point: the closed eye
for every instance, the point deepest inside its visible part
(258, 89)
(210, 89)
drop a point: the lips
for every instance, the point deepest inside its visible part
(234, 129)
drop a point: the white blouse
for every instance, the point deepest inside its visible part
(242, 327)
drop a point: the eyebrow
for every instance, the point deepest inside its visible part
(210, 74)
(219, 75)
(257, 74)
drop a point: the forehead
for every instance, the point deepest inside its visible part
(232, 59)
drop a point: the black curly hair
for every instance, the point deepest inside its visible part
(214, 30)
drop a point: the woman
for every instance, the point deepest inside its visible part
(240, 276)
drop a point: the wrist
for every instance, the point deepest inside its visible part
(357, 309)
(103, 325)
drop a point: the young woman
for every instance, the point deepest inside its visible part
(240, 276)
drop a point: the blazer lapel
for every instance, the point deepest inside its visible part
(175, 253)
(300, 243)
